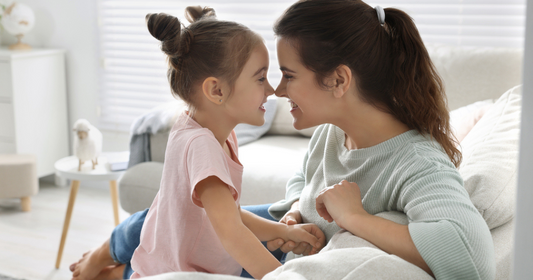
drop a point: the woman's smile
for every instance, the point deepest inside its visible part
(294, 106)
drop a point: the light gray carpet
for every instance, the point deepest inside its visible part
(4, 277)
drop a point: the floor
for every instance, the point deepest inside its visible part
(29, 241)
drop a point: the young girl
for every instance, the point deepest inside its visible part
(195, 222)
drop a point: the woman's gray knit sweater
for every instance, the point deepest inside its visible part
(409, 173)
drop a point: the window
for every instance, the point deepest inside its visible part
(133, 69)
(479, 23)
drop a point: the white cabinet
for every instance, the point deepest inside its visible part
(33, 106)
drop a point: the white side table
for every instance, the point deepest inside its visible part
(67, 168)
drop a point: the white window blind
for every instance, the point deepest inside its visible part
(478, 23)
(133, 75)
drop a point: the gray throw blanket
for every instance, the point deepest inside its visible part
(156, 120)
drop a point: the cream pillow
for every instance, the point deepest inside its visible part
(490, 159)
(462, 120)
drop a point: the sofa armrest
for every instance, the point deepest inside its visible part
(158, 145)
(139, 186)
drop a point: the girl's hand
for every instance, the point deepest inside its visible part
(307, 234)
(292, 217)
(340, 203)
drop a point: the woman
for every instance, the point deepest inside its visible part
(384, 143)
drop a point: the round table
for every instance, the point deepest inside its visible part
(67, 168)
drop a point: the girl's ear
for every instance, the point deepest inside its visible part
(212, 89)
(343, 77)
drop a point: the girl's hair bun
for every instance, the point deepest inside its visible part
(165, 28)
(195, 13)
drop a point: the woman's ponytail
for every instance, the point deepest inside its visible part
(418, 92)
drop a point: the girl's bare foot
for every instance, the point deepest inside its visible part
(73, 266)
(114, 272)
(92, 263)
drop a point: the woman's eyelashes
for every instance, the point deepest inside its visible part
(288, 77)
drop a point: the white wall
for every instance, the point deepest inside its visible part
(72, 25)
(523, 255)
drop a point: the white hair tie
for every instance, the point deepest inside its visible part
(381, 14)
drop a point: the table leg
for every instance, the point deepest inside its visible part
(114, 199)
(25, 202)
(73, 191)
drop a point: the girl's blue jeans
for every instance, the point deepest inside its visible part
(126, 237)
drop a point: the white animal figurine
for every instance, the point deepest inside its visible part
(87, 142)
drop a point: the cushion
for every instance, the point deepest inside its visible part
(490, 159)
(471, 73)
(247, 133)
(268, 164)
(462, 120)
(502, 238)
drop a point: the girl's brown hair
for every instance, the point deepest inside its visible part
(206, 48)
(389, 62)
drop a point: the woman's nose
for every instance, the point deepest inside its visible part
(280, 90)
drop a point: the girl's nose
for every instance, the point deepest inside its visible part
(269, 90)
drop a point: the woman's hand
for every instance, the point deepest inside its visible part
(340, 203)
(308, 234)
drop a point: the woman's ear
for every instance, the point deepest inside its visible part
(212, 89)
(343, 78)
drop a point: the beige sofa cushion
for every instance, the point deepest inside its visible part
(473, 74)
(490, 159)
(268, 164)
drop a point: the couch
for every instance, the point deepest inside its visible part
(474, 79)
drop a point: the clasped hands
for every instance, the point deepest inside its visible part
(339, 203)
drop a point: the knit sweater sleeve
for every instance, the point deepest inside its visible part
(297, 182)
(448, 231)
(293, 191)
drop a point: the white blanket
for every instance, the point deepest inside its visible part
(345, 257)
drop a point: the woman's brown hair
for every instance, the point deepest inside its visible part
(391, 66)
(206, 48)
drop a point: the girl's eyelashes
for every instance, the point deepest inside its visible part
(262, 79)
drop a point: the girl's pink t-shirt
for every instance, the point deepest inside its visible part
(176, 234)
